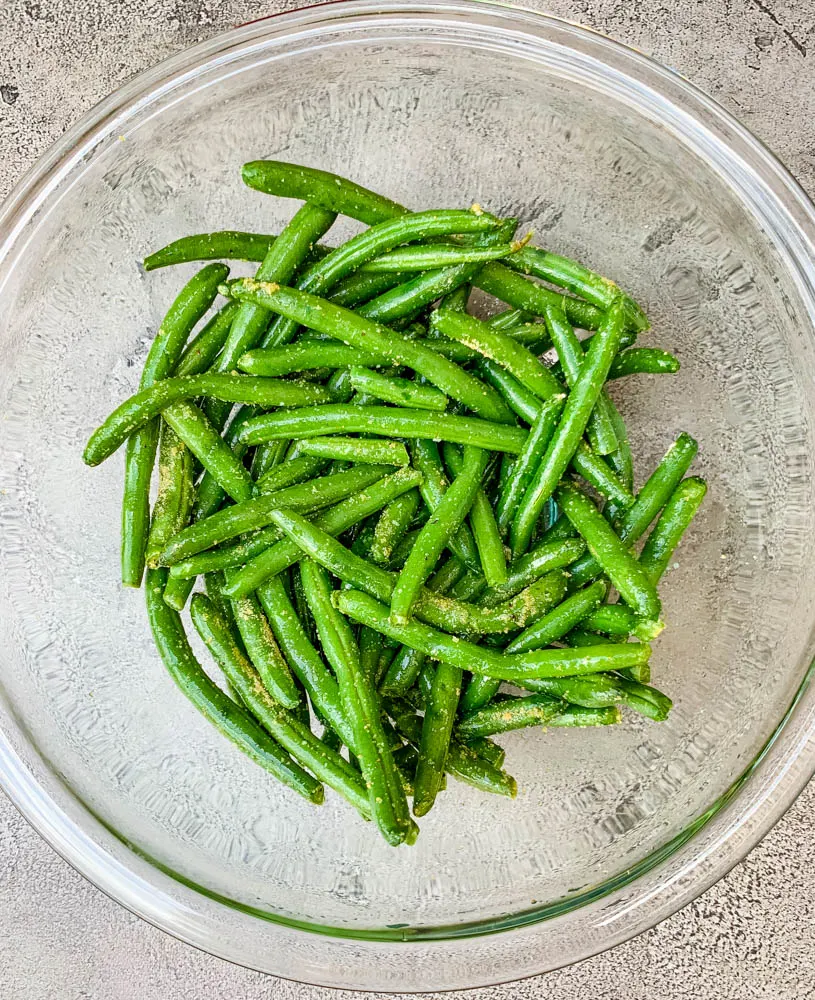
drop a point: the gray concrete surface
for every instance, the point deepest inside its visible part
(752, 937)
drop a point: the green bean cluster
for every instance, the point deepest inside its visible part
(416, 527)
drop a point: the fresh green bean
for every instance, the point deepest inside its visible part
(481, 659)
(488, 750)
(176, 491)
(509, 714)
(365, 451)
(358, 288)
(201, 352)
(457, 299)
(392, 524)
(575, 716)
(400, 391)
(437, 726)
(305, 355)
(256, 513)
(643, 360)
(525, 571)
(316, 421)
(566, 438)
(672, 524)
(386, 794)
(501, 348)
(575, 278)
(295, 737)
(621, 460)
(406, 301)
(303, 659)
(204, 441)
(602, 690)
(431, 256)
(434, 536)
(224, 245)
(526, 464)
(511, 319)
(625, 573)
(559, 620)
(147, 404)
(617, 620)
(359, 332)
(329, 191)
(600, 428)
(230, 720)
(497, 280)
(491, 554)
(361, 504)
(427, 460)
(290, 473)
(263, 652)
(653, 496)
(165, 351)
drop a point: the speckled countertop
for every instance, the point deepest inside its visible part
(751, 937)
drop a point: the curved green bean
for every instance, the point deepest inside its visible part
(602, 690)
(227, 244)
(643, 360)
(164, 354)
(401, 391)
(232, 721)
(497, 280)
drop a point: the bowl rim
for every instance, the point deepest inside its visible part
(774, 778)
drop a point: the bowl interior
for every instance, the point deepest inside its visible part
(431, 118)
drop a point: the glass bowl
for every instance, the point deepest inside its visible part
(607, 157)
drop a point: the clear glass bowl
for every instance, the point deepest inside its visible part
(608, 157)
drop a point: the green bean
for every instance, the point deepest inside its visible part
(462, 762)
(525, 571)
(457, 299)
(600, 429)
(290, 473)
(401, 391)
(446, 577)
(367, 451)
(491, 554)
(263, 652)
(280, 264)
(359, 288)
(430, 256)
(189, 306)
(147, 404)
(304, 660)
(224, 245)
(617, 620)
(307, 354)
(496, 279)
(437, 727)
(433, 538)
(317, 421)
(576, 716)
(621, 460)
(590, 466)
(255, 513)
(526, 464)
(488, 750)
(201, 352)
(198, 434)
(653, 496)
(501, 348)
(387, 797)
(361, 504)
(575, 278)
(643, 360)
(171, 511)
(625, 573)
(330, 191)
(359, 332)
(392, 524)
(560, 620)
(434, 484)
(230, 720)
(442, 612)
(481, 659)
(295, 737)
(602, 690)
(406, 301)
(214, 583)
(672, 524)
(566, 438)
(510, 319)
(506, 715)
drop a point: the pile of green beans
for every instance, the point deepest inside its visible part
(414, 532)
